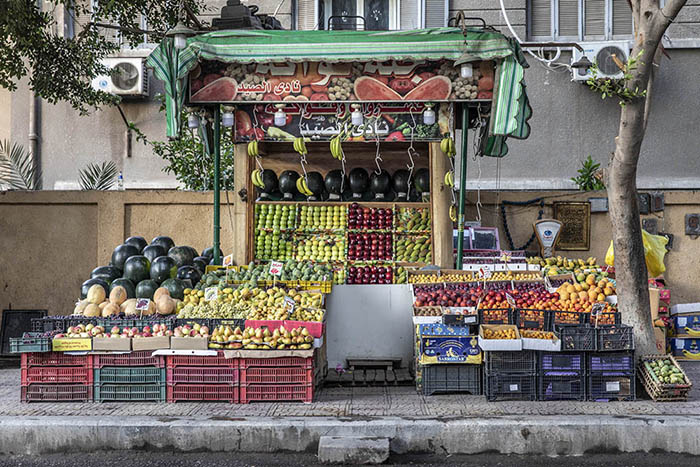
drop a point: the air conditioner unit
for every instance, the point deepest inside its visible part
(128, 77)
(601, 53)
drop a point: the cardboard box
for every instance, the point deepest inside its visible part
(660, 337)
(687, 325)
(654, 303)
(150, 343)
(547, 345)
(111, 343)
(685, 308)
(685, 348)
(449, 349)
(189, 343)
(71, 344)
(500, 344)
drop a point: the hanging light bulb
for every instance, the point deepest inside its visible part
(192, 121)
(280, 116)
(428, 115)
(466, 71)
(227, 117)
(356, 116)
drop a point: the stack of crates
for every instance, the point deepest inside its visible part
(511, 375)
(199, 378)
(611, 376)
(56, 377)
(562, 376)
(276, 379)
(132, 377)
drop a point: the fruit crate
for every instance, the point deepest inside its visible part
(202, 375)
(614, 338)
(510, 362)
(496, 316)
(174, 361)
(558, 386)
(605, 319)
(658, 391)
(191, 321)
(33, 342)
(56, 374)
(282, 375)
(48, 324)
(608, 386)
(623, 361)
(304, 362)
(129, 375)
(511, 387)
(109, 323)
(55, 359)
(107, 392)
(577, 337)
(233, 323)
(177, 392)
(276, 393)
(57, 393)
(532, 319)
(558, 318)
(562, 362)
(450, 378)
(140, 358)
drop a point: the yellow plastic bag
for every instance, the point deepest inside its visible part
(654, 253)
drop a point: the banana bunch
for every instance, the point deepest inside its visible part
(453, 213)
(256, 177)
(449, 179)
(336, 149)
(300, 145)
(302, 187)
(253, 149)
(447, 145)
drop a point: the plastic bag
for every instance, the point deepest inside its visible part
(654, 253)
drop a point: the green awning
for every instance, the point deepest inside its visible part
(247, 46)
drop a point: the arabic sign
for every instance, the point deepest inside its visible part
(408, 81)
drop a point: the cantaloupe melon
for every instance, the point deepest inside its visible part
(96, 294)
(91, 310)
(118, 295)
(80, 307)
(150, 311)
(126, 303)
(110, 309)
(130, 307)
(165, 305)
(160, 291)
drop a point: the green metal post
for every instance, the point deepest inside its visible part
(462, 189)
(217, 183)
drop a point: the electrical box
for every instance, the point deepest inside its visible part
(644, 200)
(692, 224)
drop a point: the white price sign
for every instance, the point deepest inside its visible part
(276, 267)
(228, 260)
(289, 303)
(211, 294)
(142, 304)
(612, 386)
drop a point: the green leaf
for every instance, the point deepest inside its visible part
(17, 169)
(98, 176)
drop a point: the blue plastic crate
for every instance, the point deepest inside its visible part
(565, 361)
(599, 362)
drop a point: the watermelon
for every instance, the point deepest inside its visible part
(200, 262)
(138, 242)
(176, 288)
(163, 268)
(422, 180)
(121, 254)
(189, 272)
(165, 242)
(154, 251)
(106, 273)
(182, 255)
(193, 251)
(89, 283)
(209, 252)
(137, 268)
(146, 289)
(127, 284)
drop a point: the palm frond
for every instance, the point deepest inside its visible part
(98, 176)
(17, 169)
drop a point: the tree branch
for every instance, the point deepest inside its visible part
(671, 9)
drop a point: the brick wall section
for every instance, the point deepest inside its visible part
(490, 11)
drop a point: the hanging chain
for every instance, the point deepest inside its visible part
(378, 156)
(505, 220)
(411, 152)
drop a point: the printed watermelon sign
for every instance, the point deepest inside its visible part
(276, 268)
(142, 304)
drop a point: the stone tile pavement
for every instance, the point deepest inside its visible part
(356, 402)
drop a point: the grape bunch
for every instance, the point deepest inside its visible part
(465, 88)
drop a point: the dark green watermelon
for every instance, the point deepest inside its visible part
(89, 283)
(189, 272)
(163, 268)
(137, 268)
(335, 182)
(315, 182)
(209, 252)
(176, 288)
(422, 180)
(146, 289)
(127, 284)
(165, 242)
(138, 242)
(122, 253)
(106, 273)
(193, 251)
(182, 255)
(154, 251)
(359, 180)
(270, 182)
(200, 262)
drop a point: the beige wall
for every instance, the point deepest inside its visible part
(5, 114)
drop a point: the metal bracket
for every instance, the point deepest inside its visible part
(644, 201)
(692, 224)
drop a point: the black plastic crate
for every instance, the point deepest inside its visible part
(503, 386)
(496, 316)
(191, 321)
(450, 378)
(560, 386)
(612, 386)
(613, 318)
(558, 318)
(234, 323)
(511, 362)
(48, 324)
(532, 319)
(460, 320)
(615, 338)
(577, 337)
(600, 362)
(562, 361)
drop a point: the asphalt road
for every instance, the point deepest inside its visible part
(168, 459)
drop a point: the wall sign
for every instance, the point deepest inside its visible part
(576, 225)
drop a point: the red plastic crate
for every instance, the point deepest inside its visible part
(305, 362)
(282, 375)
(276, 392)
(57, 393)
(55, 359)
(141, 358)
(173, 361)
(202, 392)
(56, 374)
(202, 375)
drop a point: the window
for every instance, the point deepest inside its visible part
(379, 15)
(579, 20)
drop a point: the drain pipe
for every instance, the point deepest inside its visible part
(34, 142)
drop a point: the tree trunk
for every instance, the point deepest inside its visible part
(630, 265)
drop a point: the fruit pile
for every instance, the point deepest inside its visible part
(158, 330)
(196, 330)
(665, 372)
(273, 245)
(370, 275)
(96, 304)
(413, 219)
(514, 276)
(223, 337)
(261, 339)
(535, 334)
(427, 311)
(401, 276)
(413, 249)
(275, 216)
(364, 218)
(320, 248)
(424, 279)
(314, 218)
(587, 290)
(370, 246)
(562, 265)
(500, 333)
(291, 271)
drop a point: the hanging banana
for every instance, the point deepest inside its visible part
(447, 146)
(453, 213)
(336, 149)
(300, 145)
(449, 179)
(253, 149)
(256, 178)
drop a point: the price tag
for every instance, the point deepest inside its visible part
(510, 300)
(276, 268)
(228, 260)
(612, 386)
(289, 304)
(597, 308)
(142, 304)
(211, 294)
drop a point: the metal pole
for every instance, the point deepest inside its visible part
(217, 183)
(462, 188)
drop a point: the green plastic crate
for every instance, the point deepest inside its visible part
(129, 375)
(106, 392)
(30, 344)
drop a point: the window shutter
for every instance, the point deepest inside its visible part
(541, 18)
(435, 13)
(307, 17)
(409, 14)
(622, 18)
(595, 18)
(568, 18)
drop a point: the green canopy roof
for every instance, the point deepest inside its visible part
(510, 110)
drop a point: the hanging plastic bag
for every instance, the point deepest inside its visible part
(654, 253)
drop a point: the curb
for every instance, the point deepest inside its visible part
(544, 435)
